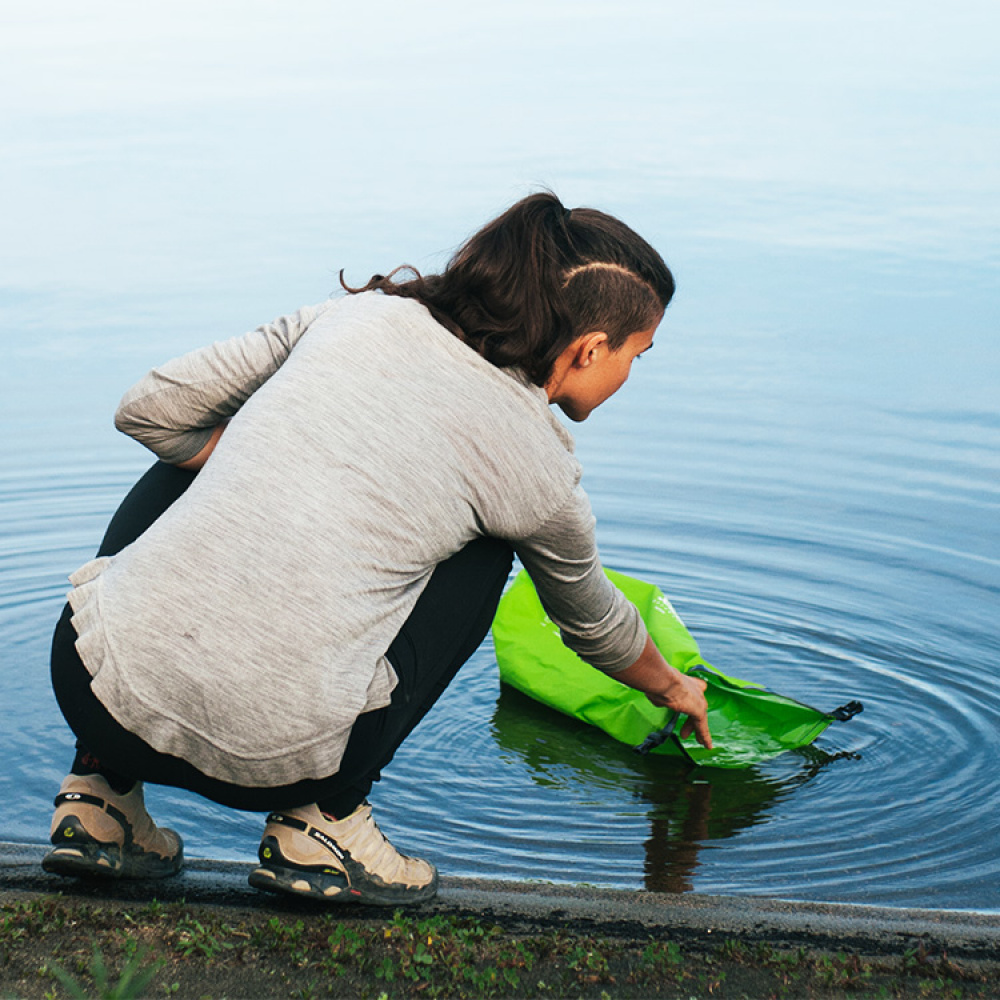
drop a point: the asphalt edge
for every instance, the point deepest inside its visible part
(869, 930)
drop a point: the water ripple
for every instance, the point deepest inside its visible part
(494, 785)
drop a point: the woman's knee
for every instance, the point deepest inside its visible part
(157, 490)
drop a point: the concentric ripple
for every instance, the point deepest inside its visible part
(867, 600)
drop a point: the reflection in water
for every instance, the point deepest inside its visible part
(808, 463)
(677, 828)
(687, 806)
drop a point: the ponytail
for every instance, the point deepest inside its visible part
(534, 279)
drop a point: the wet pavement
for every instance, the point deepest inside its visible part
(868, 930)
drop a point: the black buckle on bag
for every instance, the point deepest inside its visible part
(848, 711)
(653, 740)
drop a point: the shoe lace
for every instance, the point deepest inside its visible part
(379, 856)
(143, 829)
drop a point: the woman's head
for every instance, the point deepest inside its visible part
(539, 277)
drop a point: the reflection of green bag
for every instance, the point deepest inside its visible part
(747, 722)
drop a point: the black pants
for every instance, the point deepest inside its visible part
(445, 628)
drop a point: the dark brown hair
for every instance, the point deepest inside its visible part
(530, 282)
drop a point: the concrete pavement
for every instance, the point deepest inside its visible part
(869, 930)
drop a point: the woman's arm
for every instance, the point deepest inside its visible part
(667, 687)
(596, 620)
(176, 410)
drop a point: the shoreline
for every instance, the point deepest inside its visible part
(756, 942)
(223, 883)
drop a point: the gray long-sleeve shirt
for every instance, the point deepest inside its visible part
(245, 630)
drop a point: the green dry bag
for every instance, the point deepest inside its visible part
(748, 723)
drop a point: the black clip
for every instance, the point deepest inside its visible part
(653, 740)
(848, 711)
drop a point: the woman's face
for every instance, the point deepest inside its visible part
(595, 372)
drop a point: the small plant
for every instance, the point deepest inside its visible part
(590, 963)
(386, 969)
(517, 956)
(346, 940)
(663, 954)
(732, 950)
(194, 938)
(134, 980)
(914, 958)
(345, 947)
(11, 929)
(663, 958)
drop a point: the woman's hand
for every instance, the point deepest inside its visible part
(667, 687)
(687, 696)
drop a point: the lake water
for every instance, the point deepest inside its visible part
(808, 464)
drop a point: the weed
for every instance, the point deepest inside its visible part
(11, 929)
(277, 936)
(134, 980)
(490, 981)
(194, 938)
(346, 945)
(437, 957)
(386, 969)
(590, 963)
(28, 918)
(732, 950)
(663, 955)
(516, 956)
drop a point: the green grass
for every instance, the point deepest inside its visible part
(52, 947)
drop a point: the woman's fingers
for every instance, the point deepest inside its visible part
(699, 726)
(697, 713)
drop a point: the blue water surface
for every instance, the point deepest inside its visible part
(808, 463)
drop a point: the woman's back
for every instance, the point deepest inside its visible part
(380, 447)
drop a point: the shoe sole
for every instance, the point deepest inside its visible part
(316, 885)
(333, 888)
(76, 854)
(105, 861)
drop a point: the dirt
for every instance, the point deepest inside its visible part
(85, 940)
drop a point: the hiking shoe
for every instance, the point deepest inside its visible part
(348, 860)
(97, 832)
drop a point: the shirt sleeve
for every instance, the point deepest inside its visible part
(174, 409)
(594, 617)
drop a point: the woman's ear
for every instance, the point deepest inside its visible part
(576, 360)
(589, 348)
